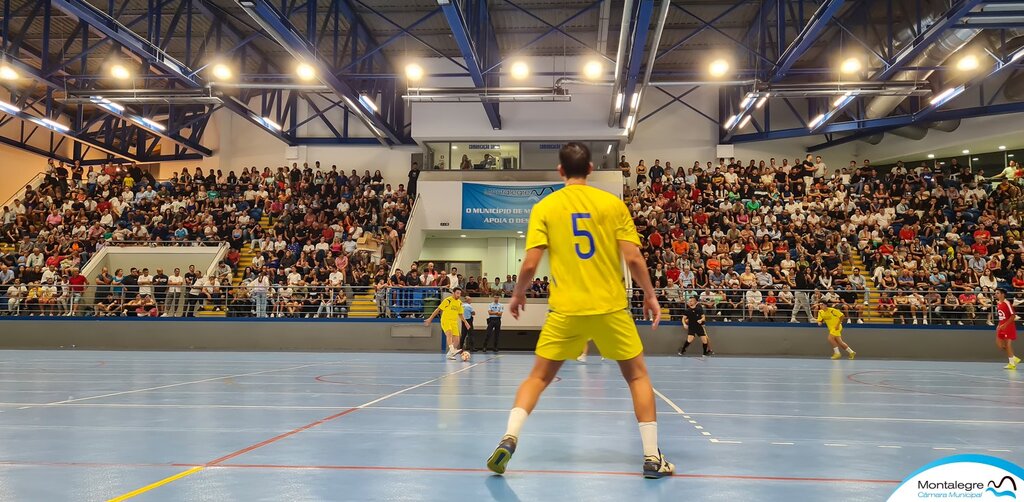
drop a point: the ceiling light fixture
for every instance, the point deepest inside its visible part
(817, 120)
(305, 71)
(593, 70)
(519, 70)
(414, 72)
(850, 65)
(718, 68)
(119, 72)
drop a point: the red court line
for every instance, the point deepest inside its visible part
(308, 426)
(447, 470)
(279, 437)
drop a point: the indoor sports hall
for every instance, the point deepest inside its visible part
(375, 250)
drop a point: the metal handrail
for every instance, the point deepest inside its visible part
(185, 300)
(34, 182)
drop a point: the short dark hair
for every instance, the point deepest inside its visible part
(1001, 290)
(574, 158)
(456, 289)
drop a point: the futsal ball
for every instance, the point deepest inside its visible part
(465, 355)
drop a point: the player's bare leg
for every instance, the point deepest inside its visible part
(542, 374)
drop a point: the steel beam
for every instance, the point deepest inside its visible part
(817, 25)
(637, 42)
(282, 30)
(475, 52)
(909, 52)
(885, 123)
(938, 101)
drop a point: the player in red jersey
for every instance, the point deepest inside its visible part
(1006, 330)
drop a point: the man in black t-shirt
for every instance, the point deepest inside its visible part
(693, 320)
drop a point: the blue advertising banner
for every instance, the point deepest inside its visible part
(501, 207)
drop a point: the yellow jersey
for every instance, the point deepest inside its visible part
(451, 309)
(833, 318)
(581, 227)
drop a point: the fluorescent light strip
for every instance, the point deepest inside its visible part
(618, 101)
(817, 120)
(635, 100)
(154, 124)
(270, 123)
(761, 101)
(106, 103)
(731, 121)
(745, 121)
(947, 95)
(842, 100)
(629, 122)
(746, 100)
(1017, 55)
(609, 150)
(9, 108)
(364, 99)
(56, 125)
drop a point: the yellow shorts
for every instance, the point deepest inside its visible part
(564, 337)
(450, 326)
(838, 332)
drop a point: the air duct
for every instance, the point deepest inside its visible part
(947, 45)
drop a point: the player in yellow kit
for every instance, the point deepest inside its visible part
(833, 319)
(451, 316)
(587, 232)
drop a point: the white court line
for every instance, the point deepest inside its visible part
(942, 448)
(783, 444)
(147, 389)
(889, 446)
(698, 427)
(407, 389)
(706, 433)
(866, 419)
(836, 445)
(1000, 451)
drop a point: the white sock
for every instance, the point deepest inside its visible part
(1011, 360)
(849, 349)
(835, 349)
(516, 417)
(649, 437)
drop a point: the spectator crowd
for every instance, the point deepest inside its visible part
(768, 240)
(329, 232)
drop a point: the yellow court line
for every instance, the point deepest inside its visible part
(144, 489)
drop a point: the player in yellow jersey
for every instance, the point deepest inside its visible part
(451, 317)
(833, 319)
(587, 232)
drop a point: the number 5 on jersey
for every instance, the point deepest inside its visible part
(579, 232)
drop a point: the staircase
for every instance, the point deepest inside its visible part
(361, 306)
(247, 253)
(871, 313)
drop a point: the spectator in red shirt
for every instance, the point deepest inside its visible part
(672, 273)
(979, 248)
(908, 233)
(656, 240)
(77, 283)
(968, 302)
(982, 235)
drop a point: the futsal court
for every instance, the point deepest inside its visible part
(82, 425)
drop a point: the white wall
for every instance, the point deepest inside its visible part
(18, 168)
(499, 256)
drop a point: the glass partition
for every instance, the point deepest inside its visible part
(509, 155)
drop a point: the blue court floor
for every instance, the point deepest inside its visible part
(293, 426)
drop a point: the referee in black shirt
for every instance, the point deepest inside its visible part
(693, 320)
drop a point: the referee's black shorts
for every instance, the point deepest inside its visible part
(696, 330)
